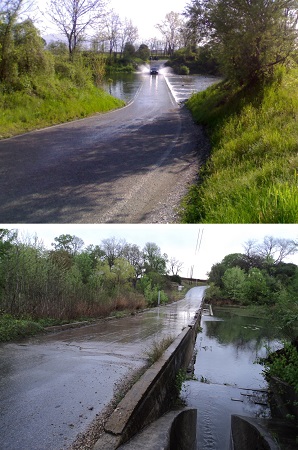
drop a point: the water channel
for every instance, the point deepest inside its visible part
(227, 379)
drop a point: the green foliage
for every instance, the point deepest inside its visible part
(234, 281)
(41, 86)
(180, 379)
(251, 174)
(143, 52)
(256, 279)
(69, 282)
(128, 52)
(151, 291)
(284, 365)
(12, 329)
(251, 38)
(197, 60)
(22, 55)
(183, 70)
(154, 261)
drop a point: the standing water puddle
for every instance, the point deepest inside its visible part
(227, 378)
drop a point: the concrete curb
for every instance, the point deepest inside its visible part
(152, 395)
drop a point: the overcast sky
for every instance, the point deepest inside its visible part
(144, 15)
(179, 241)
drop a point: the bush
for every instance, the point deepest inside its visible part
(283, 364)
(183, 70)
(11, 328)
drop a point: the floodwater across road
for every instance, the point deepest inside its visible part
(53, 386)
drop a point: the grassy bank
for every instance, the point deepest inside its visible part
(251, 176)
(51, 103)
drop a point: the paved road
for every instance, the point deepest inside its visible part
(119, 167)
(52, 387)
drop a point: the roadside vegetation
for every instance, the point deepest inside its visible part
(43, 84)
(251, 117)
(41, 287)
(262, 282)
(251, 176)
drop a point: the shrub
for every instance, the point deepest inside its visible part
(11, 328)
(183, 70)
(284, 365)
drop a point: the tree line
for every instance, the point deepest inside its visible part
(260, 277)
(73, 281)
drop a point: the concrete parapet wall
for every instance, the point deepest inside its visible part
(152, 395)
(248, 433)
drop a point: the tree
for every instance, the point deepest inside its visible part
(272, 249)
(128, 34)
(129, 51)
(112, 30)
(113, 249)
(175, 266)
(256, 287)
(68, 243)
(253, 36)
(96, 254)
(134, 255)
(277, 249)
(154, 261)
(10, 12)
(143, 52)
(30, 55)
(74, 17)
(171, 28)
(234, 283)
(195, 26)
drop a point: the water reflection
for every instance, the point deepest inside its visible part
(123, 85)
(229, 381)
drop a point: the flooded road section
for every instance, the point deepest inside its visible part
(228, 379)
(53, 386)
(132, 165)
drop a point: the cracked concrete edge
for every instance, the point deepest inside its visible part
(147, 400)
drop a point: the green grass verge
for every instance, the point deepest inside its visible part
(51, 103)
(251, 176)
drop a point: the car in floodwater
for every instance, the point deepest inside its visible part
(153, 71)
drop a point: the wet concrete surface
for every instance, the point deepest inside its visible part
(53, 386)
(110, 168)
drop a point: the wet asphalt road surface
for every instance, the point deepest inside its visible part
(52, 386)
(111, 168)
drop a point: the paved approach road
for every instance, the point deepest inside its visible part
(119, 167)
(52, 386)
